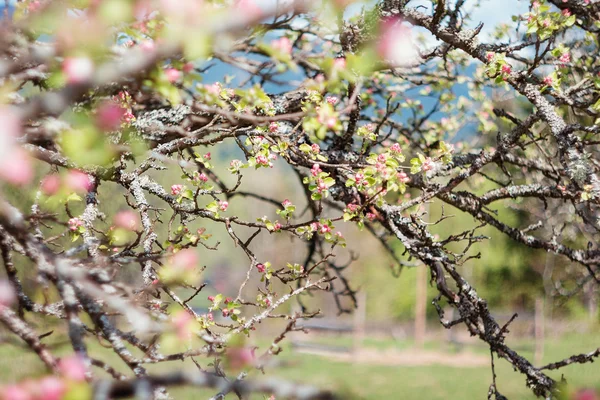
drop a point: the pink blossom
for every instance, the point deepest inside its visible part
(276, 226)
(549, 80)
(77, 70)
(7, 294)
(286, 203)
(73, 368)
(207, 156)
(213, 89)
(226, 312)
(260, 268)
(332, 100)
(381, 158)
(321, 185)
(359, 177)
(428, 164)
(395, 43)
(223, 205)
(273, 127)
(74, 224)
(325, 228)
(262, 160)
(566, 12)
(228, 300)
(209, 317)
(211, 298)
(176, 189)
(14, 392)
(315, 148)
(127, 219)
(371, 216)
(536, 4)
(78, 181)
(506, 69)
(173, 75)
(283, 44)
(51, 388)
(395, 148)
(546, 22)
(185, 259)
(489, 56)
(565, 58)
(352, 207)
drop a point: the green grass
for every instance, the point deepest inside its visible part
(364, 381)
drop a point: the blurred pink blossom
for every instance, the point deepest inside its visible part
(127, 220)
(7, 294)
(77, 69)
(78, 181)
(395, 43)
(185, 259)
(50, 184)
(73, 368)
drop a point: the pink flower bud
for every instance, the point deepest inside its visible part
(223, 205)
(176, 189)
(211, 298)
(273, 127)
(506, 69)
(315, 170)
(286, 203)
(260, 268)
(74, 224)
(78, 69)
(489, 56)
